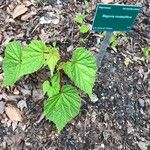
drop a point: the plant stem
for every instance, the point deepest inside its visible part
(61, 82)
(63, 59)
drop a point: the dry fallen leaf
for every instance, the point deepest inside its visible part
(19, 10)
(28, 15)
(13, 113)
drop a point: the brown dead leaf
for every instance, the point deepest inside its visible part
(27, 16)
(10, 8)
(19, 10)
(13, 113)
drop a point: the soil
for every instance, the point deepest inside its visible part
(118, 120)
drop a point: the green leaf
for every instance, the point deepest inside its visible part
(146, 51)
(79, 19)
(54, 87)
(55, 81)
(19, 61)
(52, 58)
(113, 41)
(12, 63)
(82, 69)
(84, 28)
(63, 107)
(46, 86)
(33, 57)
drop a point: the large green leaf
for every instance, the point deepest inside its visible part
(12, 63)
(33, 57)
(63, 107)
(52, 58)
(19, 61)
(82, 69)
(54, 87)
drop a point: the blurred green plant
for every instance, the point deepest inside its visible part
(146, 51)
(83, 27)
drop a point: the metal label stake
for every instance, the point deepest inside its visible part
(110, 18)
(103, 48)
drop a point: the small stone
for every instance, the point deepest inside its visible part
(16, 92)
(22, 104)
(102, 145)
(94, 98)
(141, 102)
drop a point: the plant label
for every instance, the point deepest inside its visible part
(115, 17)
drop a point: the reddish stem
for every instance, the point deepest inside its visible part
(63, 59)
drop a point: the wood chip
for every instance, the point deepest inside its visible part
(2, 107)
(27, 3)
(107, 1)
(19, 10)
(43, 36)
(13, 113)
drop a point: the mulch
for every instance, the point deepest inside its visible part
(118, 120)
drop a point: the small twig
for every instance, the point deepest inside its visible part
(35, 28)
